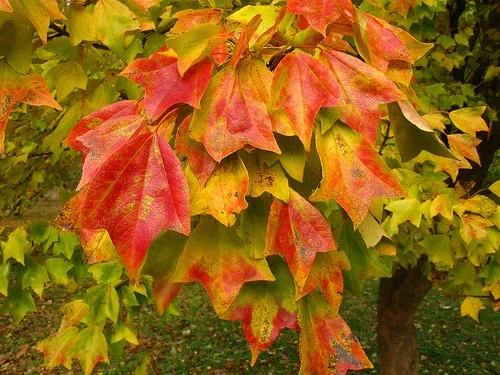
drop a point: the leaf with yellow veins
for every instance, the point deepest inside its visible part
(471, 307)
(298, 231)
(265, 308)
(353, 172)
(327, 344)
(39, 13)
(233, 111)
(216, 256)
(74, 312)
(223, 196)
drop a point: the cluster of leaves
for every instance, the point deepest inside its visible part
(249, 135)
(457, 232)
(39, 256)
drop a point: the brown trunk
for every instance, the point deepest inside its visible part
(399, 297)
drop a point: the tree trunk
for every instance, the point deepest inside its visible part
(399, 297)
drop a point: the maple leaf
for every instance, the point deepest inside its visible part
(266, 179)
(269, 15)
(112, 21)
(379, 42)
(265, 308)
(94, 120)
(38, 13)
(196, 44)
(188, 18)
(97, 245)
(327, 344)
(300, 73)
(139, 191)
(5, 6)
(164, 86)
(320, 13)
(216, 256)
(298, 231)
(402, 6)
(362, 90)
(353, 172)
(234, 111)
(326, 274)
(469, 120)
(224, 193)
(198, 158)
(80, 24)
(162, 259)
(90, 348)
(57, 347)
(20, 88)
(244, 39)
(253, 229)
(412, 133)
(104, 140)
(465, 145)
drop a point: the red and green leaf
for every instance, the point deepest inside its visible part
(362, 90)
(327, 344)
(321, 13)
(301, 86)
(139, 191)
(233, 111)
(217, 257)
(298, 231)
(198, 158)
(265, 309)
(353, 172)
(164, 86)
(20, 88)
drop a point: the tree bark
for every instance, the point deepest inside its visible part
(398, 300)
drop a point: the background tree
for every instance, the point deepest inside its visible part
(255, 142)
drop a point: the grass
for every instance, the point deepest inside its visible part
(197, 342)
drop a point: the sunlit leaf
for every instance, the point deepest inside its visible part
(216, 256)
